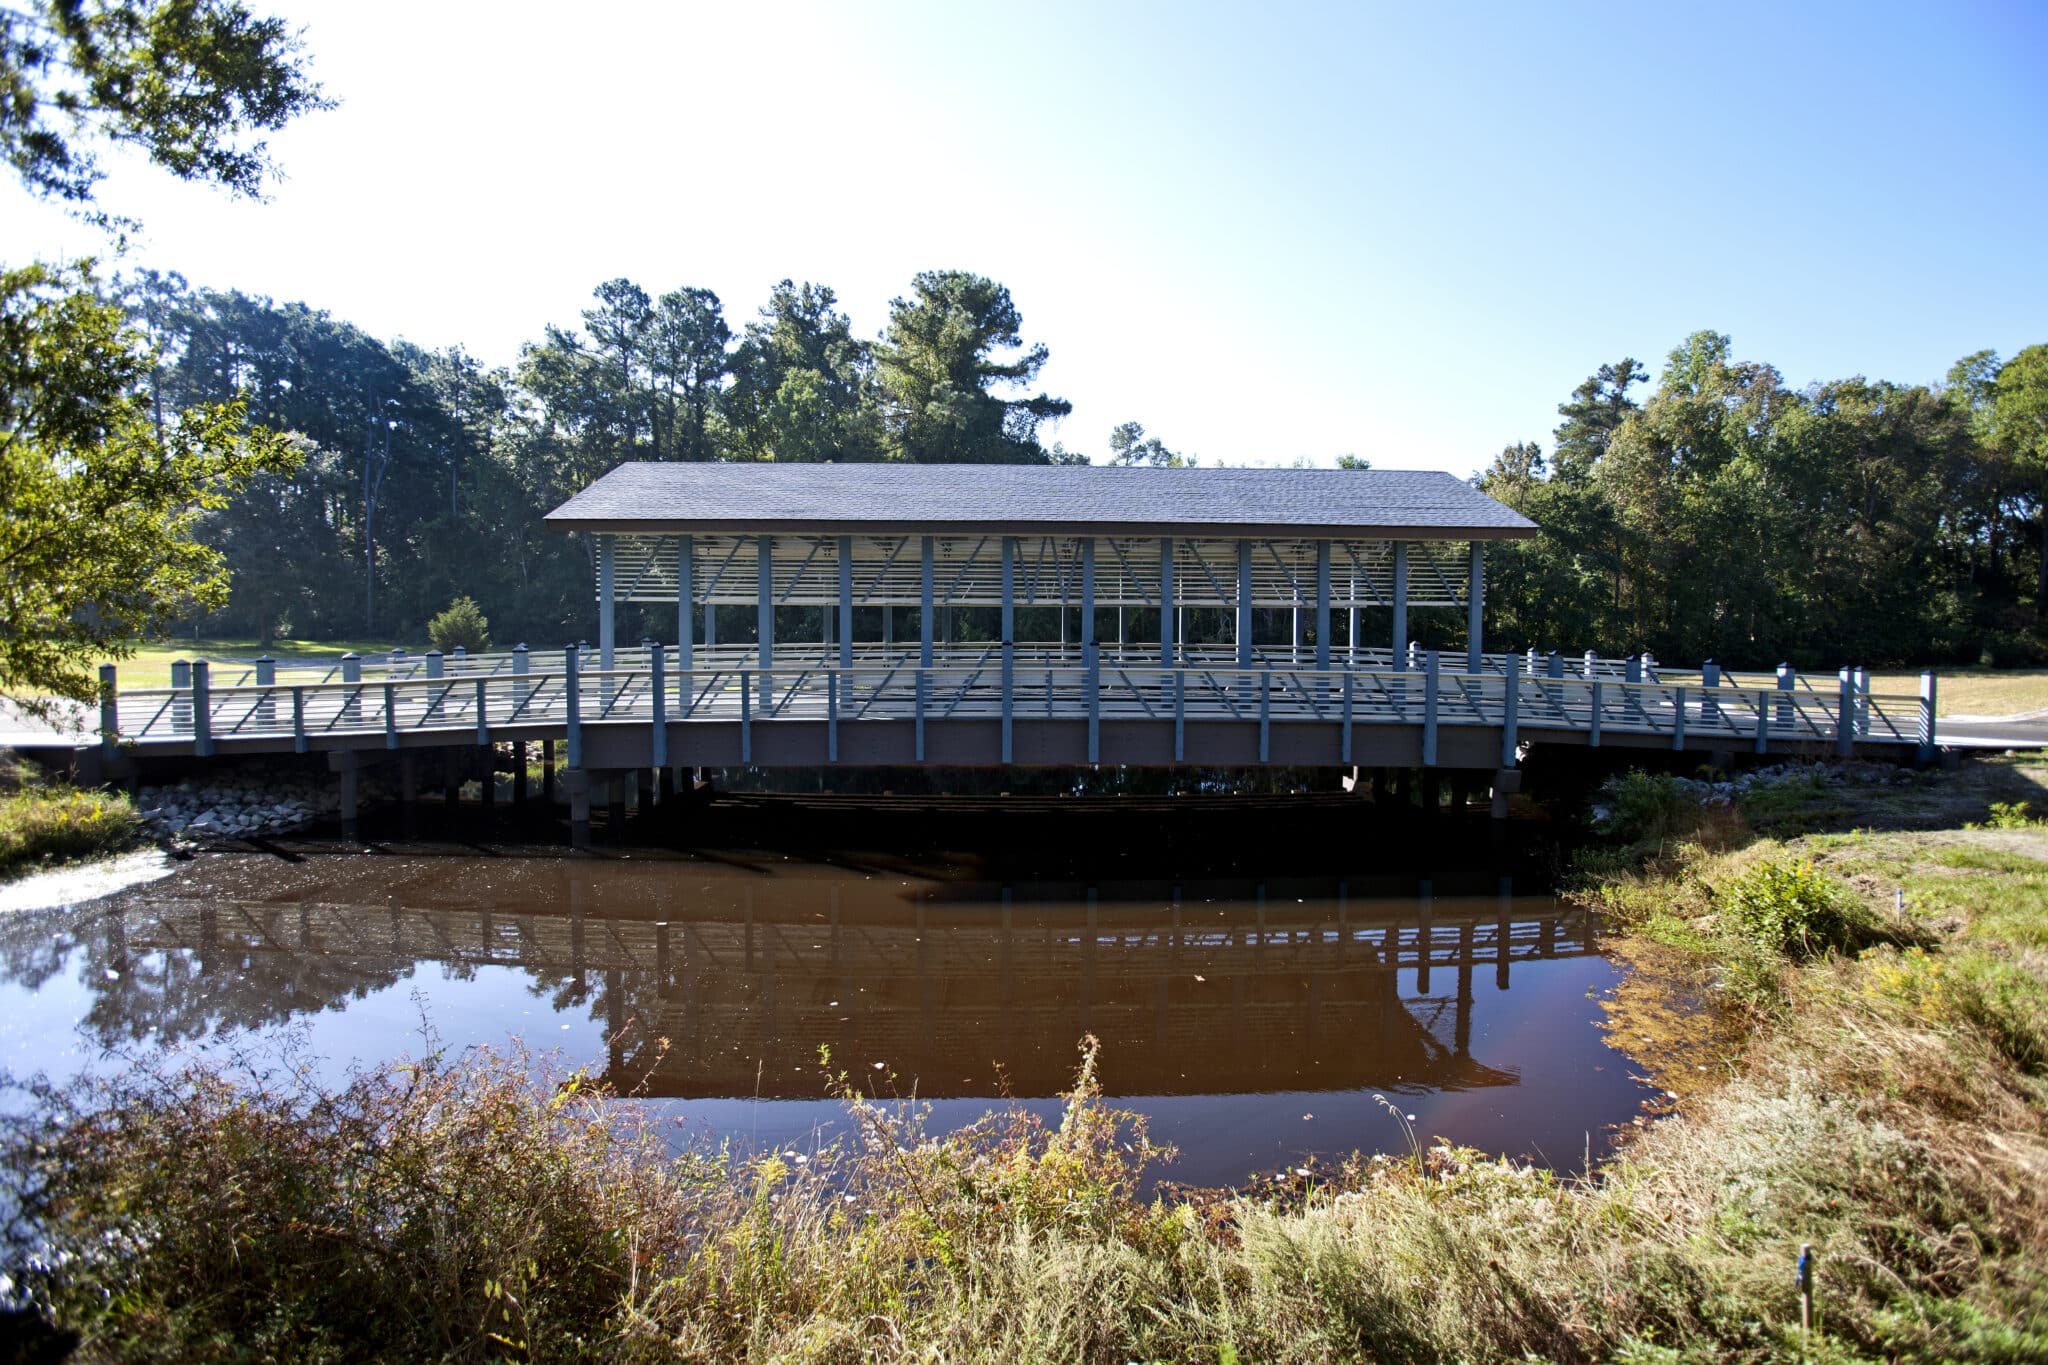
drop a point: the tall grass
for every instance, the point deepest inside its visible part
(459, 1209)
(44, 822)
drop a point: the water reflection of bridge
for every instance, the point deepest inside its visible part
(960, 989)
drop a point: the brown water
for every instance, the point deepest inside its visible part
(1255, 1020)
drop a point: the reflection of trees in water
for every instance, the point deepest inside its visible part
(170, 973)
(1238, 990)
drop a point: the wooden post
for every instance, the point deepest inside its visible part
(1180, 715)
(846, 601)
(764, 603)
(1845, 714)
(1429, 702)
(924, 626)
(352, 673)
(1475, 602)
(657, 690)
(1322, 605)
(1511, 700)
(572, 707)
(519, 779)
(1092, 652)
(1244, 604)
(607, 621)
(1166, 640)
(578, 782)
(1710, 684)
(181, 706)
(1087, 596)
(1400, 632)
(202, 709)
(266, 676)
(1927, 746)
(351, 797)
(686, 607)
(547, 771)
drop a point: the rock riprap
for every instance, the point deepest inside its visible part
(244, 803)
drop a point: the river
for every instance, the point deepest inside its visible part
(1286, 985)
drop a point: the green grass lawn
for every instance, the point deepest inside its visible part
(151, 664)
(1972, 691)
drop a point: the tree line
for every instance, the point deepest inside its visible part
(1729, 516)
(1717, 513)
(425, 474)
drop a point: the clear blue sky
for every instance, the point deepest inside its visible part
(1265, 232)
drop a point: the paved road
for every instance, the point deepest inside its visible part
(2015, 732)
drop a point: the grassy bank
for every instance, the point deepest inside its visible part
(1880, 1093)
(1973, 691)
(45, 822)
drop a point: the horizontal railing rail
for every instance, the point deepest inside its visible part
(1691, 709)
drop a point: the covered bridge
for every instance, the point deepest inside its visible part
(865, 560)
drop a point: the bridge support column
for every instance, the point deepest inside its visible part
(643, 790)
(487, 778)
(577, 783)
(409, 792)
(1404, 786)
(1432, 791)
(1461, 790)
(1506, 782)
(519, 772)
(547, 771)
(451, 777)
(1380, 795)
(614, 803)
(347, 765)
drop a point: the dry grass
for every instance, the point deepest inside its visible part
(44, 822)
(1889, 1108)
(1973, 691)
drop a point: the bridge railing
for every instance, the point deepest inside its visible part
(993, 683)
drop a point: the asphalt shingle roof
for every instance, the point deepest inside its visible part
(1036, 500)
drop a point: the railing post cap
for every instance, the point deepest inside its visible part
(265, 659)
(519, 648)
(459, 649)
(351, 655)
(433, 654)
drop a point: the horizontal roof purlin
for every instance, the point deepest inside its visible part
(873, 499)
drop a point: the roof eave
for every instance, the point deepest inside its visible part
(1193, 530)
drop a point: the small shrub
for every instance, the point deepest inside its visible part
(1791, 909)
(462, 624)
(2004, 1001)
(2009, 815)
(1639, 807)
(42, 825)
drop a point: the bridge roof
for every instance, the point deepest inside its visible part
(863, 499)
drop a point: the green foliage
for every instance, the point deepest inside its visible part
(461, 624)
(45, 822)
(1988, 992)
(1129, 445)
(938, 364)
(1728, 516)
(1640, 807)
(184, 81)
(103, 499)
(1792, 909)
(2009, 815)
